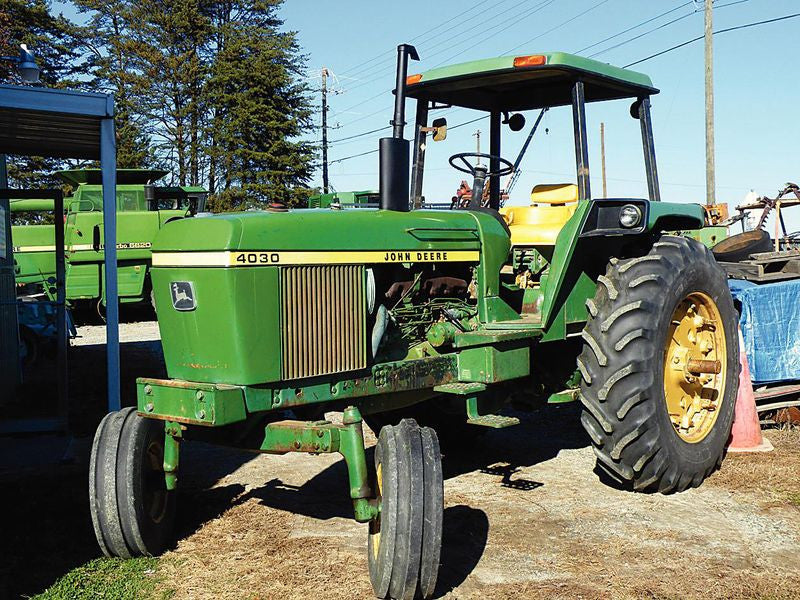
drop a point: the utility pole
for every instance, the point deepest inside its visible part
(603, 157)
(324, 130)
(709, 43)
(477, 135)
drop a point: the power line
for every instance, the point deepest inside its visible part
(560, 25)
(371, 72)
(691, 41)
(373, 151)
(662, 26)
(424, 33)
(629, 29)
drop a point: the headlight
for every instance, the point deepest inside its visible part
(630, 216)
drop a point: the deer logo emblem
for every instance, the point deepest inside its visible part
(183, 295)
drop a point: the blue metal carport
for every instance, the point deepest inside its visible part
(71, 124)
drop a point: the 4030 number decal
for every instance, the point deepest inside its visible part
(258, 258)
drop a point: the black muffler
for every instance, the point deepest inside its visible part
(394, 151)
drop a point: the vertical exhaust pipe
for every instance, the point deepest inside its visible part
(394, 151)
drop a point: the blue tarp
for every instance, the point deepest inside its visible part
(770, 322)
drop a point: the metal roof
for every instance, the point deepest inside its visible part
(56, 123)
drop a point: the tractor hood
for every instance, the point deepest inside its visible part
(327, 237)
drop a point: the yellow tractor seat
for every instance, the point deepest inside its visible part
(538, 224)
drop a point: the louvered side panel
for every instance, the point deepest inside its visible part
(323, 320)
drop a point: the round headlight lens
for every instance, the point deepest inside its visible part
(630, 216)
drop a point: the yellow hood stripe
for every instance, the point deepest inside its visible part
(261, 258)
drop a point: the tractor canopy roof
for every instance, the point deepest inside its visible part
(124, 176)
(516, 83)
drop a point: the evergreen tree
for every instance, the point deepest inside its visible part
(258, 105)
(166, 41)
(106, 38)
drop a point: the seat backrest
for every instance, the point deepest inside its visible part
(554, 193)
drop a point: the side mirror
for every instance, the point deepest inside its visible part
(635, 108)
(439, 129)
(516, 121)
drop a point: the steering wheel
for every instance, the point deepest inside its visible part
(469, 168)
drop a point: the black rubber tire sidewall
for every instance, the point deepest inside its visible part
(116, 487)
(433, 513)
(760, 243)
(702, 456)
(380, 568)
(145, 535)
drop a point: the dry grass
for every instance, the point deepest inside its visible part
(249, 554)
(772, 476)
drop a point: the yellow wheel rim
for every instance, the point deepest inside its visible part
(375, 524)
(695, 367)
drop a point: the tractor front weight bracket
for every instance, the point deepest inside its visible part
(324, 437)
(173, 434)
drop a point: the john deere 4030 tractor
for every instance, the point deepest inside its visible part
(424, 323)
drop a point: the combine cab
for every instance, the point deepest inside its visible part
(425, 323)
(142, 210)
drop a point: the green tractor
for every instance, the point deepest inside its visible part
(425, 323)
(142, 210)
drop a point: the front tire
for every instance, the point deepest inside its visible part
(405, 540)
(656, 422)
(132, 511)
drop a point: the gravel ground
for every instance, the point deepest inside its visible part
(525, 517)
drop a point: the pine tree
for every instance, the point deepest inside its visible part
(106, 39)
(259, 106)
(166, 41)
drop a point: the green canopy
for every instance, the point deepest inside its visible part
(515, 83)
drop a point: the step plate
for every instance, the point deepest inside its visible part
(460, 389)
(494, 421)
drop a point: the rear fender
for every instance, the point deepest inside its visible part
(594, 236)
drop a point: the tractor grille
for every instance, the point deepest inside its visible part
(323, 320)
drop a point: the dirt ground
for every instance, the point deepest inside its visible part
(526, 517)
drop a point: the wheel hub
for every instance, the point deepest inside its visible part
(694, 367)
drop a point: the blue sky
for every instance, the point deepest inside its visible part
(755, 121)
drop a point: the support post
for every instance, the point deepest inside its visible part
(581, 146)
(324, 130)
(108, 165)
(351, 446)
(648, 145)
(603, 158)
(173, 434)
(418, 158)
(494, 163)
(709, 70)
(61, 308)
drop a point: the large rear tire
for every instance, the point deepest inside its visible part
(656, 421)
(132, 511)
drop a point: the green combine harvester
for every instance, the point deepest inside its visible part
(359, 199)
(424, 324)
(142, 210)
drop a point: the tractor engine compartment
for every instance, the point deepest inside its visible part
(418, 308)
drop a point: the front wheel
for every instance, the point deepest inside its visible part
(660, 367)
(132, 510)
(405, 540)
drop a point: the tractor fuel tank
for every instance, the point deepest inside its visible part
(259, 297)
